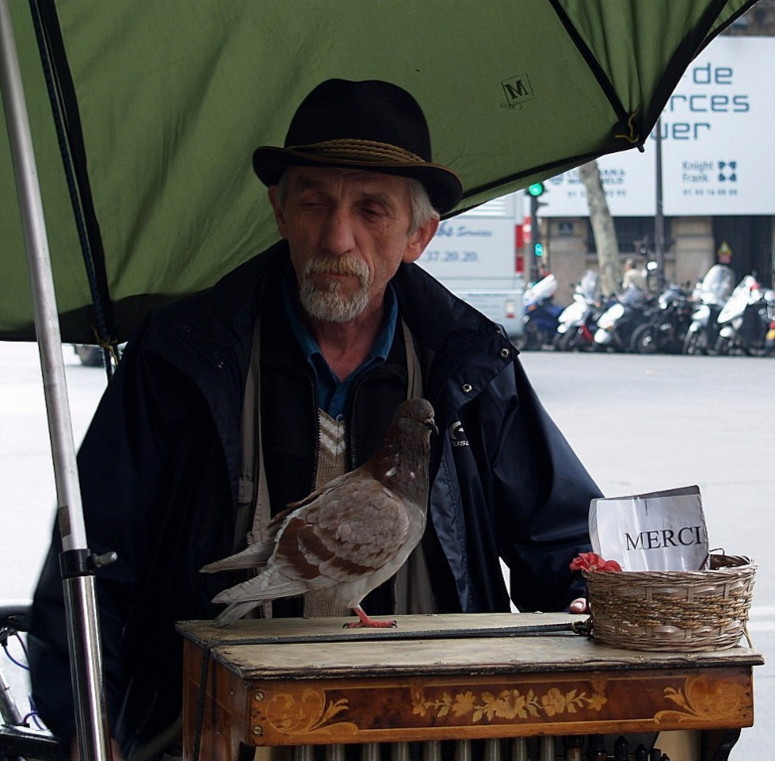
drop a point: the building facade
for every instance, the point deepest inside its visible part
(717, 192)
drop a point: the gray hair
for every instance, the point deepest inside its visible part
(422, 208)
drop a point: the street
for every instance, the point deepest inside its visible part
(639, 423)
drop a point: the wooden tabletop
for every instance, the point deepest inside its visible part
(425, 644)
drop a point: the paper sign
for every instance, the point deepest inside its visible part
(659, 531)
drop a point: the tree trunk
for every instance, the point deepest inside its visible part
(602, 229)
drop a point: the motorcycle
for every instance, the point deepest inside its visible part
(665, 329)
(746, 319)
(617, 324)
(577, 323)
(769, 339)
(539, 323)
(709, 297)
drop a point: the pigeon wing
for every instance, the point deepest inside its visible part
(345, 533)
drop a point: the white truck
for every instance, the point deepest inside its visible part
(475, 255)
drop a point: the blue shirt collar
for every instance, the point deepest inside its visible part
(333, 393)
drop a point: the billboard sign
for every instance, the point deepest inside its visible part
(718, 153)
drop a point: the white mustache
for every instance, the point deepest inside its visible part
(337, 265)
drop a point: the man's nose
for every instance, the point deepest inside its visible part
(338, 235)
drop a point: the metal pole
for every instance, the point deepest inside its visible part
(535, 239)
(78, 566)
(659, 222)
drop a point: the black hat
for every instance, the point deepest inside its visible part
(372, 125)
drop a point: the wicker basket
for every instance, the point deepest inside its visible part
(672, 610)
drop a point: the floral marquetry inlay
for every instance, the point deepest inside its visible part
(507, 704)
(350, 712)
(306, 712)
(703, 698)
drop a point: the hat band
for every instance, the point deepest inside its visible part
(359, 150)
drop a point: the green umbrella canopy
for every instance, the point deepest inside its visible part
(164, 102)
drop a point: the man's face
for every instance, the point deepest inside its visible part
(347, 231)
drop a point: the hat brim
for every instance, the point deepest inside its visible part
(444, 187)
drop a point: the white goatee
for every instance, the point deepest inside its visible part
(329, 303)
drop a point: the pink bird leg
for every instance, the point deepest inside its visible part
(368, 623)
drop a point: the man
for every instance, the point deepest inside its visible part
(231, 404)
(633, 276)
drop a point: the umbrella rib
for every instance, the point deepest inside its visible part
(67, 122)
(594, 66)
(691, 46)
(736, 15)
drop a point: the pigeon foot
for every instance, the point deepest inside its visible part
(365, 622)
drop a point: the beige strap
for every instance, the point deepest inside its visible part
(253, 501)
(413, 370)
(256, 492)
(413, 582)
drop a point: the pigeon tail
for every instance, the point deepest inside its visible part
(265, 586)
(234, 612)
(252, 556)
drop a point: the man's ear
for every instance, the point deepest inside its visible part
(419, 239)
(279, 217)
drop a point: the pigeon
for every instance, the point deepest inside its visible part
(349, 536)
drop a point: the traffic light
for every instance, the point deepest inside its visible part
(534, 192)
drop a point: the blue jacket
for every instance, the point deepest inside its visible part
(159, 470)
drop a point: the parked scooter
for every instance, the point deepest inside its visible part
(666, 327)
(709, 297)
(617, 324)
(541, 314)
(745, 319)
(578, 321)
(769, 339)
